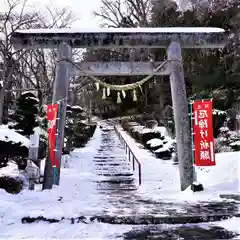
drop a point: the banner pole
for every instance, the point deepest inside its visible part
(193, 149)
(55, 172)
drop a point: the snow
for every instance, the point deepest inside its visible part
(27, 92)
(237, 143)
(218, 112)
(77, 107)
(141, 129)
(126, 30)
(160, 181)
(162, 130)
(155, 142)
(10, 170)
(74, 189)
(162, 149)
(64, 231)
(2, 36)
(33, 98)
(225, 176)
(224, 129)
(7, 135)
(40, 131)
(230, 224)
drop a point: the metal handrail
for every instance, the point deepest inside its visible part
(130, 153)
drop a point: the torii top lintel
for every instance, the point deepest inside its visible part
(120, 37)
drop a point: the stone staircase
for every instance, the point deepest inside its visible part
(112, 166)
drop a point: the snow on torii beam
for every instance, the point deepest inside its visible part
(120, 68)
(120, 37)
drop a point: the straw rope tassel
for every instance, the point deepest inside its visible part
(97, 85)
(123, 93)
(104, 93)
(108, 92)
(134, 95)
(119, 100)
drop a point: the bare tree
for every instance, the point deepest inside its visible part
(127, 13)
(39, 64)
(11, 21)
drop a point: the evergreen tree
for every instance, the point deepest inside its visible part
(26, 114)
(43, 125)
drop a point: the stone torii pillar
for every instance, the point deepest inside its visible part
(181, 117)
(172, 38)
(60, 96)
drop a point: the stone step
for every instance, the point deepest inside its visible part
(102, 157)
(106, 162)
(106, 156)
(109, 164)
(116, 181)
(110, 155)
(116, 187)
(115, 174)
(116, 169)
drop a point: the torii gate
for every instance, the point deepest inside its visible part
(171, 38)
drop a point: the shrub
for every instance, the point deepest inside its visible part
(164, 154)
(11, 185)
(81, 134)
(151, 123)
(148, 136)
(25, 116)
(219, 117)
(13, 151)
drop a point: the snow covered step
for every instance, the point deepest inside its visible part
(106, 162)
(110, 168)
(116, 187)
(109, 164)
(101, 157)
(114, 168)
(113, 171)
(117, 180)
(115, 174)
(112, 156)
(111, 159)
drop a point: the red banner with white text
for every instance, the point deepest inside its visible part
(203, 133)
(52, 112)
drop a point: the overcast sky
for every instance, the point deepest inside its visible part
(82, 8)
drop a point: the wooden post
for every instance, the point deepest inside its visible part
(181, 119)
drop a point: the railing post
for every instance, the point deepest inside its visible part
(129, 152)
(139, 174)
(133, 159)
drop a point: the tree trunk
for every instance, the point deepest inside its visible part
(2, 100)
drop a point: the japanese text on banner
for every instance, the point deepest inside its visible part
(203, 133)
(52, 111)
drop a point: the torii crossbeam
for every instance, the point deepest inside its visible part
(173, 39)
(120, 37)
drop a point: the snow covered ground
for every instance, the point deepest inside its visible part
(77, 195)
(160, 179)
(8, 135)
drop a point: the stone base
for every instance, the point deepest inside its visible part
(233, 196)
(197, 187)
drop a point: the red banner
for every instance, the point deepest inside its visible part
(52, 112)
(203, 133)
